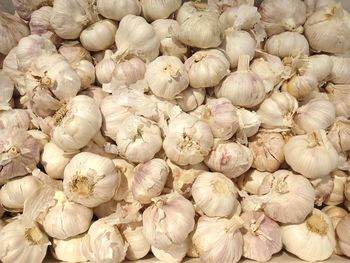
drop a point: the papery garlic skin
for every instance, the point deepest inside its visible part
(311, 155)
(316, 238)
(116, 9)
(243, 17)
(157, 9)
(105, 68)
(160, 218)
(251, 181)
(69, 250)
(207, 68)
(190, 99)
(338, 134)
(138, 246)
(74, 52)
(15, 119)
(215, 195)
(319, 65)
(6, 92)
(174, 253)
(90, 179)
(249, 123)
(40, 20)
(323, 188)
(339, 95)
(86, 71)
(340, 70)
(189, 8)
(342, 231)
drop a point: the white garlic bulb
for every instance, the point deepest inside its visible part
(174, 253)
(339, 95)
(317, 114)
(201, 30)
(339, 133)
(69, 250)
(267, 149)
(251, 181)
(105, 68)
(287, 44)
(188, 141)
(242, 17)
(212, 231)
(72, 135)
(242, 87)
(160, 218)
(15, 192)
(318, 65)
(340, 70)
(144, 45)
(90, 179)
(229, 158)
(301, 85)
(171, 74)
(327, 30)
(316, 238)
(98, 36)
(249, 122)
(6, 92)
(311, 155)
(149, 180)
(116, 9)
(86, 72)
(278, 110)
(190, 99)
(189, 8)
(342, 231)
(336, 197)
(237, 43)
(215, 195)
(157, 9)
(40, 20)
(65, 219)
(14, 119)
(22, 241)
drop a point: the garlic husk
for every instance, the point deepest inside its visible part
(87, 119)
(339, 133)
(267, 149)
(249, 123)
(313, 5)
(319, 65)
(90, 179)
(343, 234)
(339, 95)
(126, 171)
(68, 250)
(340, 70)
(286, 15)
(337, 195)
(229, 158)
(160, 219)
(105, 68)
(6, 92)
(188, 141)
(174, 253)
(211, 231)
(116, 9)
(201, 30)
(251, 181)
(145, 45)
(23, 241)
(243, 17)
(105, 209)
(149, 180)
(221, 116)
(242, 87)
(19, 153)
(13, 29)
(327, 30)
(171, 74)
(317, 114)
(190, 99)
(25, 9)
(40, 20)
(287, 44)
(215, 195)
(237, 43)
(157, 9)
(66, 219)
(14, 193)
(262, 236)
(74, 52)
(86, 72)
(189, 8)
(323, 188)
(14, 119)
(311, 155)
(96, 93)
(316, 238)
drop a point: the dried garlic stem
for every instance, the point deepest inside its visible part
(317, 224)
(33, 235)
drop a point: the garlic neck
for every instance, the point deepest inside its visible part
(173, 72)
(60, 114)
(200, 6)
(316, 224)
(220, 187)
(234, 224)
(33, 235)
(243, 63)
(81, 185)
(14, 151)
(313, 140)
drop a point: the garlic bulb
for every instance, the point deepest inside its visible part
(160, 218)
(76, 122)
(86, 72)
(23, 241)
(251, 181)
(229, 158)
(189, 8)
(278, 110)
(317, 114)
(13, 29)
(116, 9)
(149, 180)
(19, 153)
(267, 149)
(90, 179)
(105, 68)
(25, 9)
(301, 85)
(6, 92)
(237, 43)
(14, 119)
(281, 16)
(248, 121)
(318, 65)
(311, 155)
(15, 192)
(339, 133)
(340, 70)
(212, 231)
(202, 30)
(144, 45)
(139, 140)
(188, 141)
(339, 95)
(262, 236)
(342, 231)
(287, 44)
(215, 195)
(323, 188)
(104, 243)
(40, 20)
(157, 9)
(98, 36)
(242, 87)
(337, 195)
(171, 75)
(243, 17)
(207, 68)
(190, 99)
(316, 238)
(69, 250)
(74, 52)
(174, 253)
(327, 30)
(66, 219)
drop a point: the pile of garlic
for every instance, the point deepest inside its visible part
(213, 130)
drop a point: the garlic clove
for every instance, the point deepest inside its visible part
(323, 188)
(338, 134)
(69, 250)
(86, 71)
(243, 17)
(190, 99)
(105, 68)
(250, 181)
(336, 197)
(175, 253)
(342, 231)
